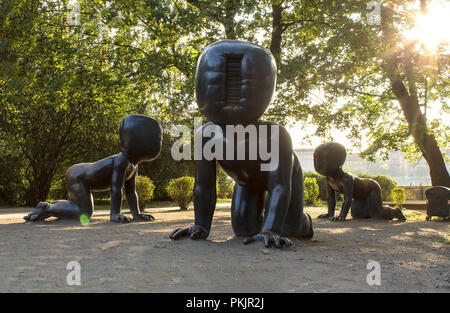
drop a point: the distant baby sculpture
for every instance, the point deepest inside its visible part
(362, 194)
(140, 137)
(235, 81)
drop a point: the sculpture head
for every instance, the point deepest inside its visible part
(329, 157)
(140, 137)
(235, 81)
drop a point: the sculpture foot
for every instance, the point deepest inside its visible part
(400, 216)
(338, 218)
(119, 218)
(40, 213)
(195, 232)
(143, 217)
(270, 238)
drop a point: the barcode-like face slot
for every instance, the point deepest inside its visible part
(233, 81)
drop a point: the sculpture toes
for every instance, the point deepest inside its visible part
(248, 240)
(121, 219)
(276, 240)
(177, 233)
(146, 217)
(196, 234)
(286, 242)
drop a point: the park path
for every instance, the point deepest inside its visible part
(140, 257)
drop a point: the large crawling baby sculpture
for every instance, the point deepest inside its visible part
(362, 194)
(235, 81)
(140, 137)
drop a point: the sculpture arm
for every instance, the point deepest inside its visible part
(204, 202)
(117, 182)
(331, 202)
(348, 196)
(205, 196)
(277, 204)
(133, 200)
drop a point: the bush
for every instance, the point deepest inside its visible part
(181, 190)
(398, 195)
(144, 189)
(321, 182)
(311, 190)
(386, 183)
(224, 184)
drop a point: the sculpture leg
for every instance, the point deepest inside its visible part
(360, 208)
(81, 197)
(297, 223)
(380, 211)
(246, 209)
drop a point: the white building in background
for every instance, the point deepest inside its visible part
(404, 173)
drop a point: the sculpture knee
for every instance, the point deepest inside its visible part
(245, 222)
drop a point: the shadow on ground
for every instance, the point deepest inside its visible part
(140, 257)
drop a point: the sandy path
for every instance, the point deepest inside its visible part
(139, 257)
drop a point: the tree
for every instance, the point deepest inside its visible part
(59, 101)
(357, 72)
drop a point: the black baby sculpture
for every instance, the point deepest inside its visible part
(362, 194)
(140, 137)
(235, 81)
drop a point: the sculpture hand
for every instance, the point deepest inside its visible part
(195, 232)
(144, 217)
(270, 238)
(338, 218)
(119, 218)
(326, 215)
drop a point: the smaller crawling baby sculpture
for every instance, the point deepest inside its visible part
(140, 137)
(362, 194)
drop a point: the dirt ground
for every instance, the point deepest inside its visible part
(140, 257)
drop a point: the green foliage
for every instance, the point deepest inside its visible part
(311, 190)
(398, 195)
(64, 88)
(321, 182)
(12, 178)
(144, 189)
(181, 190)
(224, 184)
(386, 183)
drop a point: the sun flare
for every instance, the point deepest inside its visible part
(433, 28)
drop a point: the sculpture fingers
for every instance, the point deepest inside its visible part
(286, 241)
(177, 233)
(248, 240)
(276, 240)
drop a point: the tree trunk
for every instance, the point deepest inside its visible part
(39, 189)
(277, 32)
(418, 129)
(409, 102)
